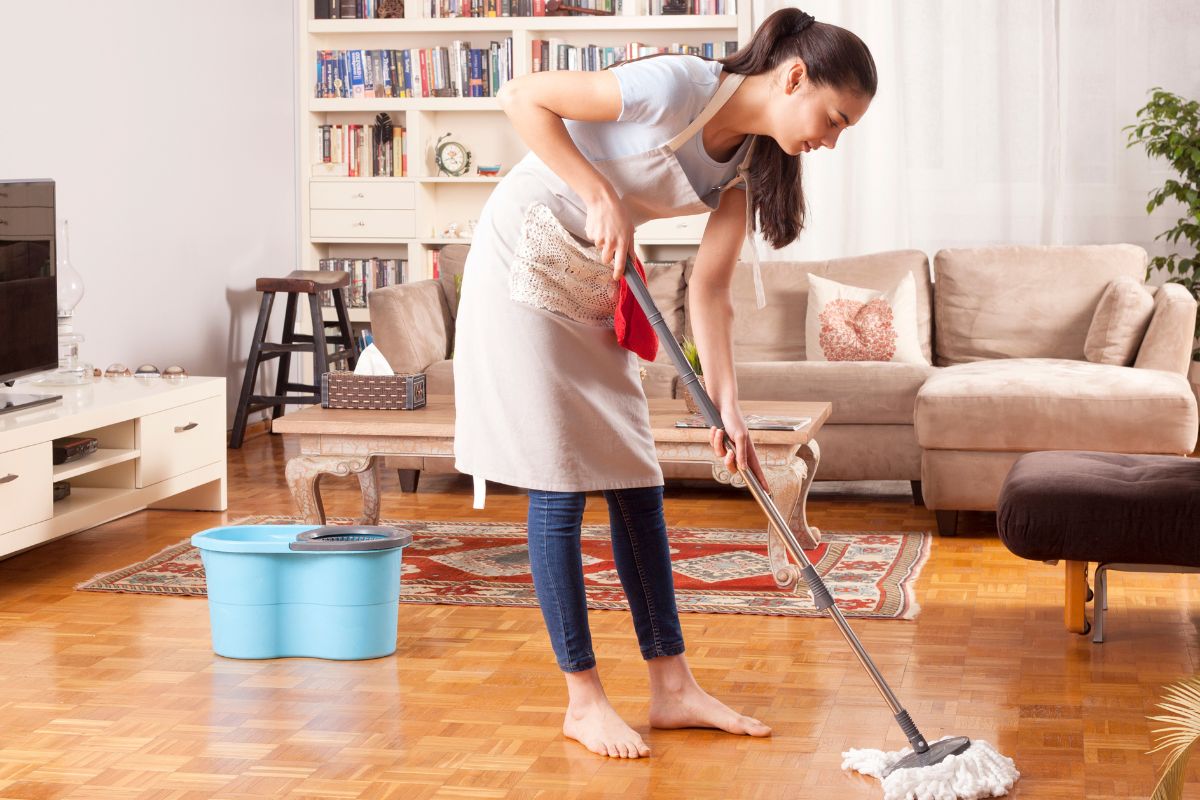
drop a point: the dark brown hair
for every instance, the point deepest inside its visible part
(835, 57)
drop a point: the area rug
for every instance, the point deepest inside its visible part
(717, 570)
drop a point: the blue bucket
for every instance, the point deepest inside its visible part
(277, 591)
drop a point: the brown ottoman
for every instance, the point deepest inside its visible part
(1127, 512)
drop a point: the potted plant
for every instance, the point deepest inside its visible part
(1169, 127)
(693, 357)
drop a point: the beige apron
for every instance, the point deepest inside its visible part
(545, 397)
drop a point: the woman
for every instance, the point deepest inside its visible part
(546, 398)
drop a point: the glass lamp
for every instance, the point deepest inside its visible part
(71, 368)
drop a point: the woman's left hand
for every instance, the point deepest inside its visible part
(742, 455)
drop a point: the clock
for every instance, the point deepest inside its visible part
(452, 157)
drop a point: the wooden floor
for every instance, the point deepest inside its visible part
(120, 696)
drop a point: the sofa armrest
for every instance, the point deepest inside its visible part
(1167, 344)
(411, 325)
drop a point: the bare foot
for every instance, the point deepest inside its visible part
(598, 728)
(692, 707)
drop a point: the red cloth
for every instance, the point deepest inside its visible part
(634, 331)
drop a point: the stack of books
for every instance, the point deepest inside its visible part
(554, 54)
(361, 151)
(365, 274)
(456, 71)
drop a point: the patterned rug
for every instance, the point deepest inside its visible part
(717, 570)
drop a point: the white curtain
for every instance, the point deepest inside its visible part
(998, 122)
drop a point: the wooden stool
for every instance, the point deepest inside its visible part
(311, 283)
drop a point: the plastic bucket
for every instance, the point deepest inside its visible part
(278, 591)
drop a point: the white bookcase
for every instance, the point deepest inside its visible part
(406, 217)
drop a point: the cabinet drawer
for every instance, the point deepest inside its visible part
(366, 224)
(180, 439)
(691, 228)
(26, 486)
(361, 194)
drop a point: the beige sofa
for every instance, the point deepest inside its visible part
(1005, 327)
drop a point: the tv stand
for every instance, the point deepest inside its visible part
(10, 401)
(161, 446)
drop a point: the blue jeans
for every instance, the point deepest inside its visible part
(643, 561)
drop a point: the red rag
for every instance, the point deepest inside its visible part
(634, 331)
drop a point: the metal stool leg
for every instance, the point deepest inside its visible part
(1101, 602)
(283, 376)
(251, 376)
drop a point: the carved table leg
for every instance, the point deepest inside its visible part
(304, 477)
(789, 491)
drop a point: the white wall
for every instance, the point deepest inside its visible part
(169, 129)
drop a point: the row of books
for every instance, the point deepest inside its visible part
(537, 8)
(365, 274)
(553, 54)
(456, 71)
(361, 151)
(354, 9)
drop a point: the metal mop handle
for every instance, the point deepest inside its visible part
(820, 593)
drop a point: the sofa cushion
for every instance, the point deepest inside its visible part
(776, 333)
(1023, 302)
(1119, 322)
(659, 380)
(452, 259)
(1026, 404)
(664, 279)
(410, 324)
(849, 323)
(873, 393)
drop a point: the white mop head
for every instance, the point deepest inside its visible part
(977, 773)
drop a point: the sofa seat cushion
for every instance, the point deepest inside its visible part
(1026, 404)
(659, 380)
(863, 392)
(1103, 507)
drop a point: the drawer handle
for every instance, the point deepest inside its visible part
(9, 478)
(358, 195)
(360, 224)
(188, 427)
(3, 222)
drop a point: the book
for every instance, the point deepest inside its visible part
(755, 422)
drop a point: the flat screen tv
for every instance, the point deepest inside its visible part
(28, 290)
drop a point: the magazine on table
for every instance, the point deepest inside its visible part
(755, 422)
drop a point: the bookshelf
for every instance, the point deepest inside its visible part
(407, 217)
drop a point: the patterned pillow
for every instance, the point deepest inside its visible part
(849, 323)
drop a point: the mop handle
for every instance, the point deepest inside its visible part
(822, 599)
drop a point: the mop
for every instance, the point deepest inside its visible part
(953, 768)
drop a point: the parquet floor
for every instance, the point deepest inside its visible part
(108, 696)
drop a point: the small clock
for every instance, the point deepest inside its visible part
(452, 158)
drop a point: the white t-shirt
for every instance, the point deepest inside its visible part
(659, 98)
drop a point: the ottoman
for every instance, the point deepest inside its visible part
(1126, 512)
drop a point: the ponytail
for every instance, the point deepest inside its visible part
(834, 57)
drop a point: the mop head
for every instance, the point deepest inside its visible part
(978, 772)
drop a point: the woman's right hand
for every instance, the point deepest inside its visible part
(610, 228)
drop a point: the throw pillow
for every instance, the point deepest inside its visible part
(850, 323)
(1119, 323)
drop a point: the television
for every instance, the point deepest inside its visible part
(28, 287)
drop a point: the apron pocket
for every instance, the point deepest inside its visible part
(553, 272)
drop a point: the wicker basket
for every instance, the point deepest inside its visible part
(343, 389)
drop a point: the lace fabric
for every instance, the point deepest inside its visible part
(553, 272)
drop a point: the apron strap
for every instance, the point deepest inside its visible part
(719, 98)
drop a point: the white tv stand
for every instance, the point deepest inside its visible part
(162, 445)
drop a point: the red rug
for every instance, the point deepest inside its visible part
(717, 570)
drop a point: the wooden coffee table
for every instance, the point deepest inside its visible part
(351, 442)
